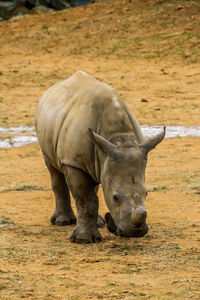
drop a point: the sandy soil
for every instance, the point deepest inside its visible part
(148, 51)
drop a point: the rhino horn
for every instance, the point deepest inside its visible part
(153, 141)
(103, 144)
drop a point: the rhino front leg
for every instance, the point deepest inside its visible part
(63, 214)
(83, 191)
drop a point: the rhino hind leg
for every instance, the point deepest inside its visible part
(82, 187)
(63, 214)
(100, 220)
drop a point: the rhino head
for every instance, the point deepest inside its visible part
(123, 183)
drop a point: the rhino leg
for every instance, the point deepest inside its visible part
(83, 190)
(100, 220)
(63, 214)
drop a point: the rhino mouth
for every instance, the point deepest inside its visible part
(137, 231)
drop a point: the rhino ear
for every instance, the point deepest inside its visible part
(153, 141)
(104, 145)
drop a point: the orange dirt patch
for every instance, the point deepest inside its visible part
(38, 260)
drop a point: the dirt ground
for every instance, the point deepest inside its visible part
(149, 52)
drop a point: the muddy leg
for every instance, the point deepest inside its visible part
(100, 220)
(83, 191)
(63, 214)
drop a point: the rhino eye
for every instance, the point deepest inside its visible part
(137, 197)
(133, 180)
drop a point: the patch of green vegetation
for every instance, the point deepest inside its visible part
(142, 294)
(74, 298)
(133, 269)
(158, 187)
(3, 218)
(5, 120)
(193, 188)
(26, 187)
(137, 40)
(64, 268)
(162, 1)
(111, 284)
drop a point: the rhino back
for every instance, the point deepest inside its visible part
(68, 109)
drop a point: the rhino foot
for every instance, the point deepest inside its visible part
(62, 220)
(81, 236)
(100, 222)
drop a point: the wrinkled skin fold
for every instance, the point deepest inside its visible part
(89, 137)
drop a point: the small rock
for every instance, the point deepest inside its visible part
(179, 7)
(80, 2)
(144, 100)
(2, 226)
(5, 223)
(163, 72)
(41, 9)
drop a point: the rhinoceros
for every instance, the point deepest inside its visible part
(89, 137)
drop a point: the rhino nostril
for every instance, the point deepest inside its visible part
(139, 216)
(116, 198)
(142, 213)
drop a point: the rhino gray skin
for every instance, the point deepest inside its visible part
(89, 137)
